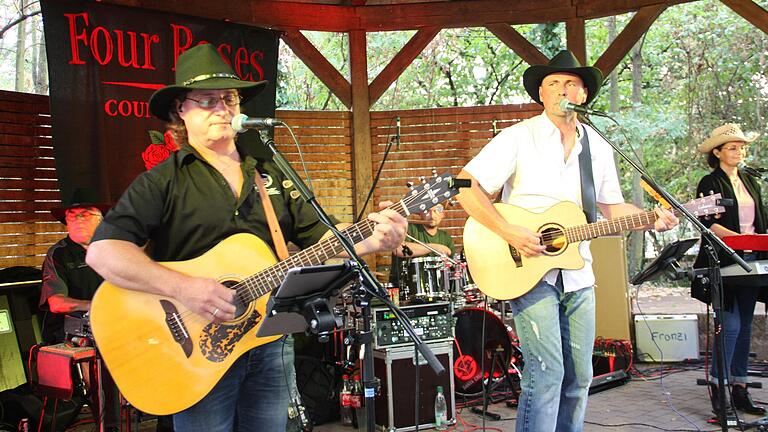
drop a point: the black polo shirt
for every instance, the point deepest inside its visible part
(65, 272)
(184, 207)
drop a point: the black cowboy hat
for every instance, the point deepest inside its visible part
(201, 68)
(79, 198)
(564, 61)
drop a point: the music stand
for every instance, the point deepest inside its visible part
(304, 300)
(667, 258)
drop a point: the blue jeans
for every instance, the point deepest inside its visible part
(737, 335)
(251, 396)
(557, 335)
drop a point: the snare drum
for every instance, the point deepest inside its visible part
(426, 279)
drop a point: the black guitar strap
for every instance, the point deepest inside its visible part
(588, 199)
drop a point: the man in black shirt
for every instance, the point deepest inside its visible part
(68, 282)
(201, 195)
(69, 285)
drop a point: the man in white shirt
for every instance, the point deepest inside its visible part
(536, 164)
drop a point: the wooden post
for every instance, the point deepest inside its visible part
(750, 11)
(361, 125)
(576, 39)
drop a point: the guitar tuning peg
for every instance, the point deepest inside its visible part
(423, 179)
(701, 194)
(434, 172)
(409, 185)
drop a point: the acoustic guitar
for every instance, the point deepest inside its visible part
(501, 272)
(165, 358)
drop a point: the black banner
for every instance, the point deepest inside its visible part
(105, 61)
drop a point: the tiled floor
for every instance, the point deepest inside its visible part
(671, 402)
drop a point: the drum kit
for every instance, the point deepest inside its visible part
(488, 359)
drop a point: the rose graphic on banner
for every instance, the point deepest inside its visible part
(162, 145)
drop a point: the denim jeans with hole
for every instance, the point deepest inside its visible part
(252, 396)
(557, 333)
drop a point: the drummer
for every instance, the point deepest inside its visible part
(432, 238)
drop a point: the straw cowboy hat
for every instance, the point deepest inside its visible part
(79, 198)
(564, 61)
(726, 133)
(201, 68)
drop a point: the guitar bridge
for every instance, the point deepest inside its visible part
(176, 326)
(515, 256)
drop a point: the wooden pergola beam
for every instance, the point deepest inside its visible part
(400, 62)
(287, 15)
(518, 43)
(750, 11)
(576, 38)
(628, 38)
(319, 65)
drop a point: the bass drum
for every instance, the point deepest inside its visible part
(473, 357)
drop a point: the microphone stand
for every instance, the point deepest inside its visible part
(709, 241)
(396, 138)
(369, 287)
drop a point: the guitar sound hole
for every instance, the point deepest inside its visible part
(239, 306)
(554, 239)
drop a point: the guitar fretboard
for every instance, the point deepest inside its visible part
(609, 226)
(266, 280)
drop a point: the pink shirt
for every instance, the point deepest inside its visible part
(746, 207)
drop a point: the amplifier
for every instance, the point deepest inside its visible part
(431, 321)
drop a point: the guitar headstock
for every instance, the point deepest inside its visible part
(431, 192)
(705, 206)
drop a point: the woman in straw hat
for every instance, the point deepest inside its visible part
(725, 148)
(204, 193)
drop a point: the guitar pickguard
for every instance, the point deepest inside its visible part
(218, 340)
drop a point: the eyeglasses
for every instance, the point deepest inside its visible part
(72, 217)
(736, 148)
(210, 102)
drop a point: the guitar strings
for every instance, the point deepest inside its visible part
(250, 285)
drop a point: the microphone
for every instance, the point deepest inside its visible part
(397, 133)
(566, 106)
(754, 172)
(241, 123)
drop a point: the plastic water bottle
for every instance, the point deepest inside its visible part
(441, 410)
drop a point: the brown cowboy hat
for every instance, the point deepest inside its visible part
(201, 68)
(564, 61)
(726, 133)
(79, 198)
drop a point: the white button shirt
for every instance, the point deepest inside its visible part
(528, 161)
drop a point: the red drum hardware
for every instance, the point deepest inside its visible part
(473, 360)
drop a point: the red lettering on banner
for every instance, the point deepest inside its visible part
(127, 108)
(148, 41)
(133, 61)
(178, 47)
(109, 108)
(256, 59)
(106, 57)
(241, 57)
(74, 37)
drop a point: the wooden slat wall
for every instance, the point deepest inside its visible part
(326, 143)
(28, 182)
(444, 140)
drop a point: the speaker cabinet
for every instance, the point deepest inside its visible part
(612, 312)
(396, 369)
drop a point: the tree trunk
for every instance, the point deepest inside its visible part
(636, 238)
(21, 33)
